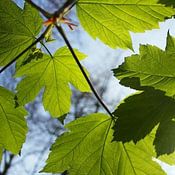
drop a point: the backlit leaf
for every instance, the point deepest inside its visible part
(13, 125)
(153, 67)
(18, 29)
(112, 20)
(54, 75)
(169, 159)
(86, 149)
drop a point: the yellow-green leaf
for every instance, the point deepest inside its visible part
(13, 125)
(112, 20)
(87, 149)
(54, 75)
(152, 67)
(18, 29)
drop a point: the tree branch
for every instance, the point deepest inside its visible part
(64, 9)
(7, 165)
(45, 13)
(25, 50)
(60, 30)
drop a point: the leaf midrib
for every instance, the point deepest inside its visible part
(103, 148)
(56, 85)
(108, 3)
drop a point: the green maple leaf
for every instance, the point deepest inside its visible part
(54, 75)
(168, 2)
(86, 149)
(13, 125)
(152, 67)
(140, 113)
(112, 20)
(18, 29)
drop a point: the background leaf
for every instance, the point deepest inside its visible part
(54, 75)
(13, 125)
(87, 149)
(111, 20)
(18, 29)
(164, 141)
(140, 113)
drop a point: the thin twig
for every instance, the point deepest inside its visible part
(65, 8)
(48, 51)
(7, 164)
(45, 13)
(60, 30)
(25, 50)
